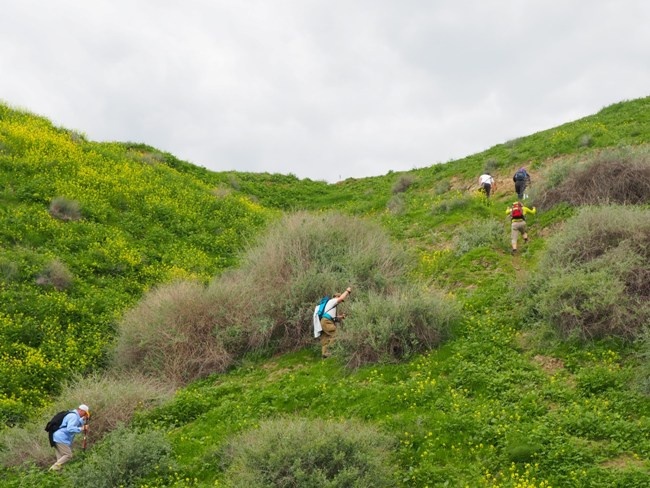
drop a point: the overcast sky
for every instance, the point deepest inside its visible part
(325, 90)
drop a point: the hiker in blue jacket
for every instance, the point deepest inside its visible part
(72, 424)
(522, 180)
(330, 319)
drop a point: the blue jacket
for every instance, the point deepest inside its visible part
(71, 425)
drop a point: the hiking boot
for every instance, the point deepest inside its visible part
(513, 252)
(526, 240)
(326, 355)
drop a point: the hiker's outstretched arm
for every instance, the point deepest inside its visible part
(345, 294)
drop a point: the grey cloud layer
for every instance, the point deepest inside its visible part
(320, 89)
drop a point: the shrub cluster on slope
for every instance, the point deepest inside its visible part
(185, 331)
(619, 176)
(309, 453)
(594, 280)
(124, 458)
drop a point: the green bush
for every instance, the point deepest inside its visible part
(642, 377)
(123, 458)
(452, 204)
(394, 327)
(309, 454)
(592, 281)
(9, 270)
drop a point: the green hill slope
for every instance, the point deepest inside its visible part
(86, 228)
(510, 400)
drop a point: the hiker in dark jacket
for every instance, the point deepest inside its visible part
(522, 181)
(72, 424)
(517, 213)
(330, 319)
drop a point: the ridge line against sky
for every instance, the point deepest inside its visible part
(322, 90)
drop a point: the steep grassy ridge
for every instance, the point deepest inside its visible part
(512, 399)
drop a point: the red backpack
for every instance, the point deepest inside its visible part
(517, 211)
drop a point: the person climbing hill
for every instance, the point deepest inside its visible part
(522, 181)
(487, 183)
(517, 213)
(326, 318)
(63, 433)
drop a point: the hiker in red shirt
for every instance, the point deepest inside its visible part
(517, 213)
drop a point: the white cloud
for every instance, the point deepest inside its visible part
(324, 90)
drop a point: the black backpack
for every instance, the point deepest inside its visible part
(55, 424)
(521, 175)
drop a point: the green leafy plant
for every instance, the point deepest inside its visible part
(395, 327)
(588, 282)
(124, 457)
(309, 453)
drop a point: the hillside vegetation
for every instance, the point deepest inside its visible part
(177, 303)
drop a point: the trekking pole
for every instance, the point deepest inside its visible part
(85, 439)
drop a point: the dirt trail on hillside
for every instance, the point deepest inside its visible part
(503, 183)
(521, 270)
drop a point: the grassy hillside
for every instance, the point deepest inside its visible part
(542, 382)
(85, 229)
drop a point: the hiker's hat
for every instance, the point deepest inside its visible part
(85, 408)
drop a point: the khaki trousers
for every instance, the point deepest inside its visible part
(327, 336)
(63, 455)
(518, 227)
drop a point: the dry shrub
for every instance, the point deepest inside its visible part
(9, 270)
(300, 259)
(612, 177)
(113, 401)
(396, 205)
(171, 333)
(65, 209)
(593, 279)
(57, 275)
(394, 327)
(403, 183)
(186, 330)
